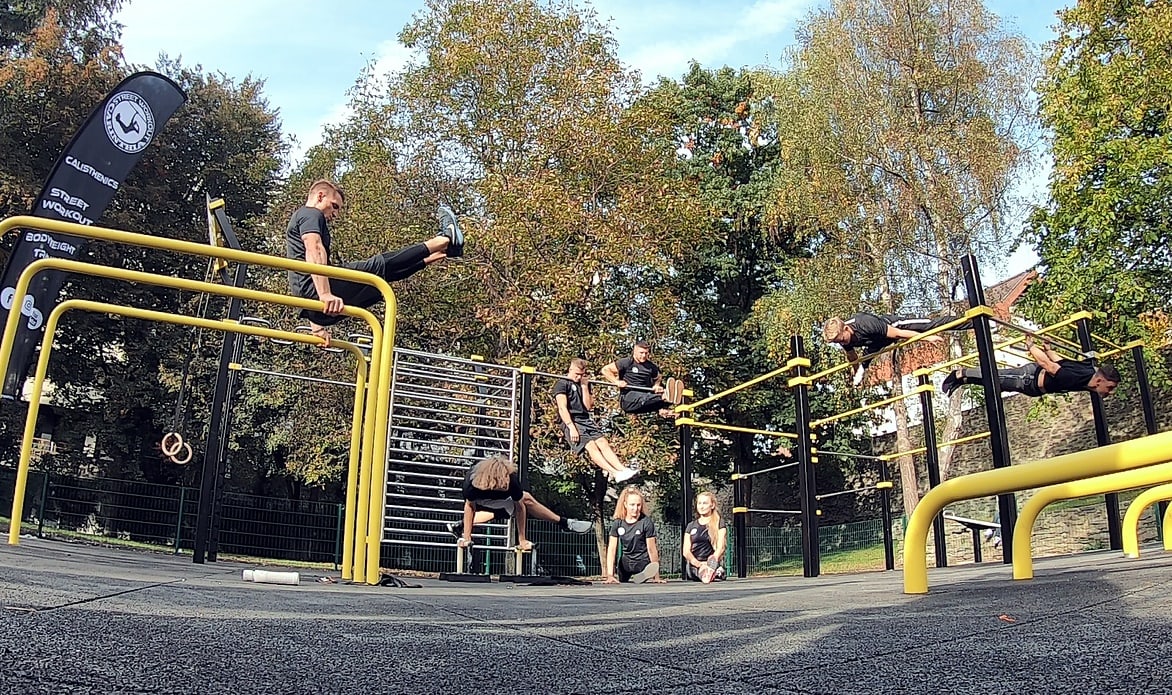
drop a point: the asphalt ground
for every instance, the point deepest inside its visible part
(84, 619)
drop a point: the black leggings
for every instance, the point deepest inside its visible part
(390, 266)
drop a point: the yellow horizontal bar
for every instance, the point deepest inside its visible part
(922, 449)
(734, 428)
(740, 510)
(872, 406)
(528, 370)
(1121, 348)
(235, 365)
(798, 362)
(799, 381)
(729, 391)
(884, 485)
(1046, 332)
(997, 347)
(1107, 342)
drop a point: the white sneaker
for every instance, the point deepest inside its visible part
(578, 526)
(625, 475)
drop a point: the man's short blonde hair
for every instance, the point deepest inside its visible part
(832, 329)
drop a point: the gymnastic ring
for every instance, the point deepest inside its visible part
(170, 451)
(186, 458)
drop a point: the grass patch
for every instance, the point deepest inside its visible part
(867, 559)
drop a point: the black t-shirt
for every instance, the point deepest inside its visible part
(475, 494)
(1072, 375)
(701, 541)
(870, 332)
(573, 394)
(635, 373)
(305, 220)
(633, 538)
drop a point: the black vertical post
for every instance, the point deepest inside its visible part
(1145, 396)
(977, 558)
(807, 488)
(1102, 438)
(44, 504)
(525, 423)
(212, 463)
(994, 408)
(685, 484)
(740, 519)
(222, 470)
(933, 457)
(885, 500)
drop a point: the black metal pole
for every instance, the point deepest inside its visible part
(977, 546)
(933, 456)
(807, 488)
(1102, 438)
(223, 472)
(1145, 396)
(685, 484)
(740, 519)
(524, 436)
(885, 500)
(994, 408)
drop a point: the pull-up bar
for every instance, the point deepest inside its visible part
(871, 406)
(922, 449)
(732, 428)
(1042, 332)
(1045, 333)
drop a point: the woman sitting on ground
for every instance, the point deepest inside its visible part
(634, 530)
(492, 492)
(704, 542)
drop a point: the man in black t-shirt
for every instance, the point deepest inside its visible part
(638, 380)
(872, 333)
(307, 238)
(574, 402)
(1050, 373)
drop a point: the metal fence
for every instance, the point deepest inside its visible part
(163, 517)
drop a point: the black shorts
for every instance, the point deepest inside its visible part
(587, 432)
(389, 266)
(638, 402)
(502, 510)
(628, 566)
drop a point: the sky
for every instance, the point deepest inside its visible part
(309, 54)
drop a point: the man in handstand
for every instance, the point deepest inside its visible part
(307, 238)
(1050, 373)
(873, 333)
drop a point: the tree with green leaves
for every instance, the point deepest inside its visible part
(1102, 239)
(903, 127)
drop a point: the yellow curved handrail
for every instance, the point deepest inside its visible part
(1145, 499)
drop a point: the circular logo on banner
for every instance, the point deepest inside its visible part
(130, 124)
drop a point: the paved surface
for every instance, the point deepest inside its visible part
(79, 619)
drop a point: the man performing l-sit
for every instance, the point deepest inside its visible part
(1050, 373)
(874, 333)
(638, 380)
(308, 239)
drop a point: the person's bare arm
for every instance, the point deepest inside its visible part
(564, 414)
(851, 355)
(653, 553)
(720, 544)
(1043, 357)
(587, 395)
(904, 334)
(469, 519)
(688, 552)
(612, 550)
(611, 373)
(315, 252)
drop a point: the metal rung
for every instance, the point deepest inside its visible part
(461, 378)
(417, 390)
(420, 486)
(399, 396)
(429, 464)
(436, 371)
(492, 548)
(458, 479)
(476, 364)
(432, 510)
(500, 526)
(401, 496)
(443, 433)
(459, 414)
(449, 422)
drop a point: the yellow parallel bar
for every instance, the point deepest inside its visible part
(1135, 510)
(139, 277)
(734, 428)
(34, 403)
(1112, 458)
(884, 485)
(872, 406)
(1046, 332)
(922, 449)
(1107, 342)
(1123, 348)
(1023, 562)
(740, 510)
(380, 362)
(1001, 346)
(687, 407)
(968, 316)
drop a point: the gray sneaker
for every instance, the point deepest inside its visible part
(449, 227)
(578, 526)
(649, 572)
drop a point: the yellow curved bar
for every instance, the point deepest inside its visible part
(1135, 510)
(382, 372)
(365, 449)
(872, 406)
(1023, 562)
(1167, 528)
(1135, 453)
(34, 403)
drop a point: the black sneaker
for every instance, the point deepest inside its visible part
(951, 383)
(449, 227)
